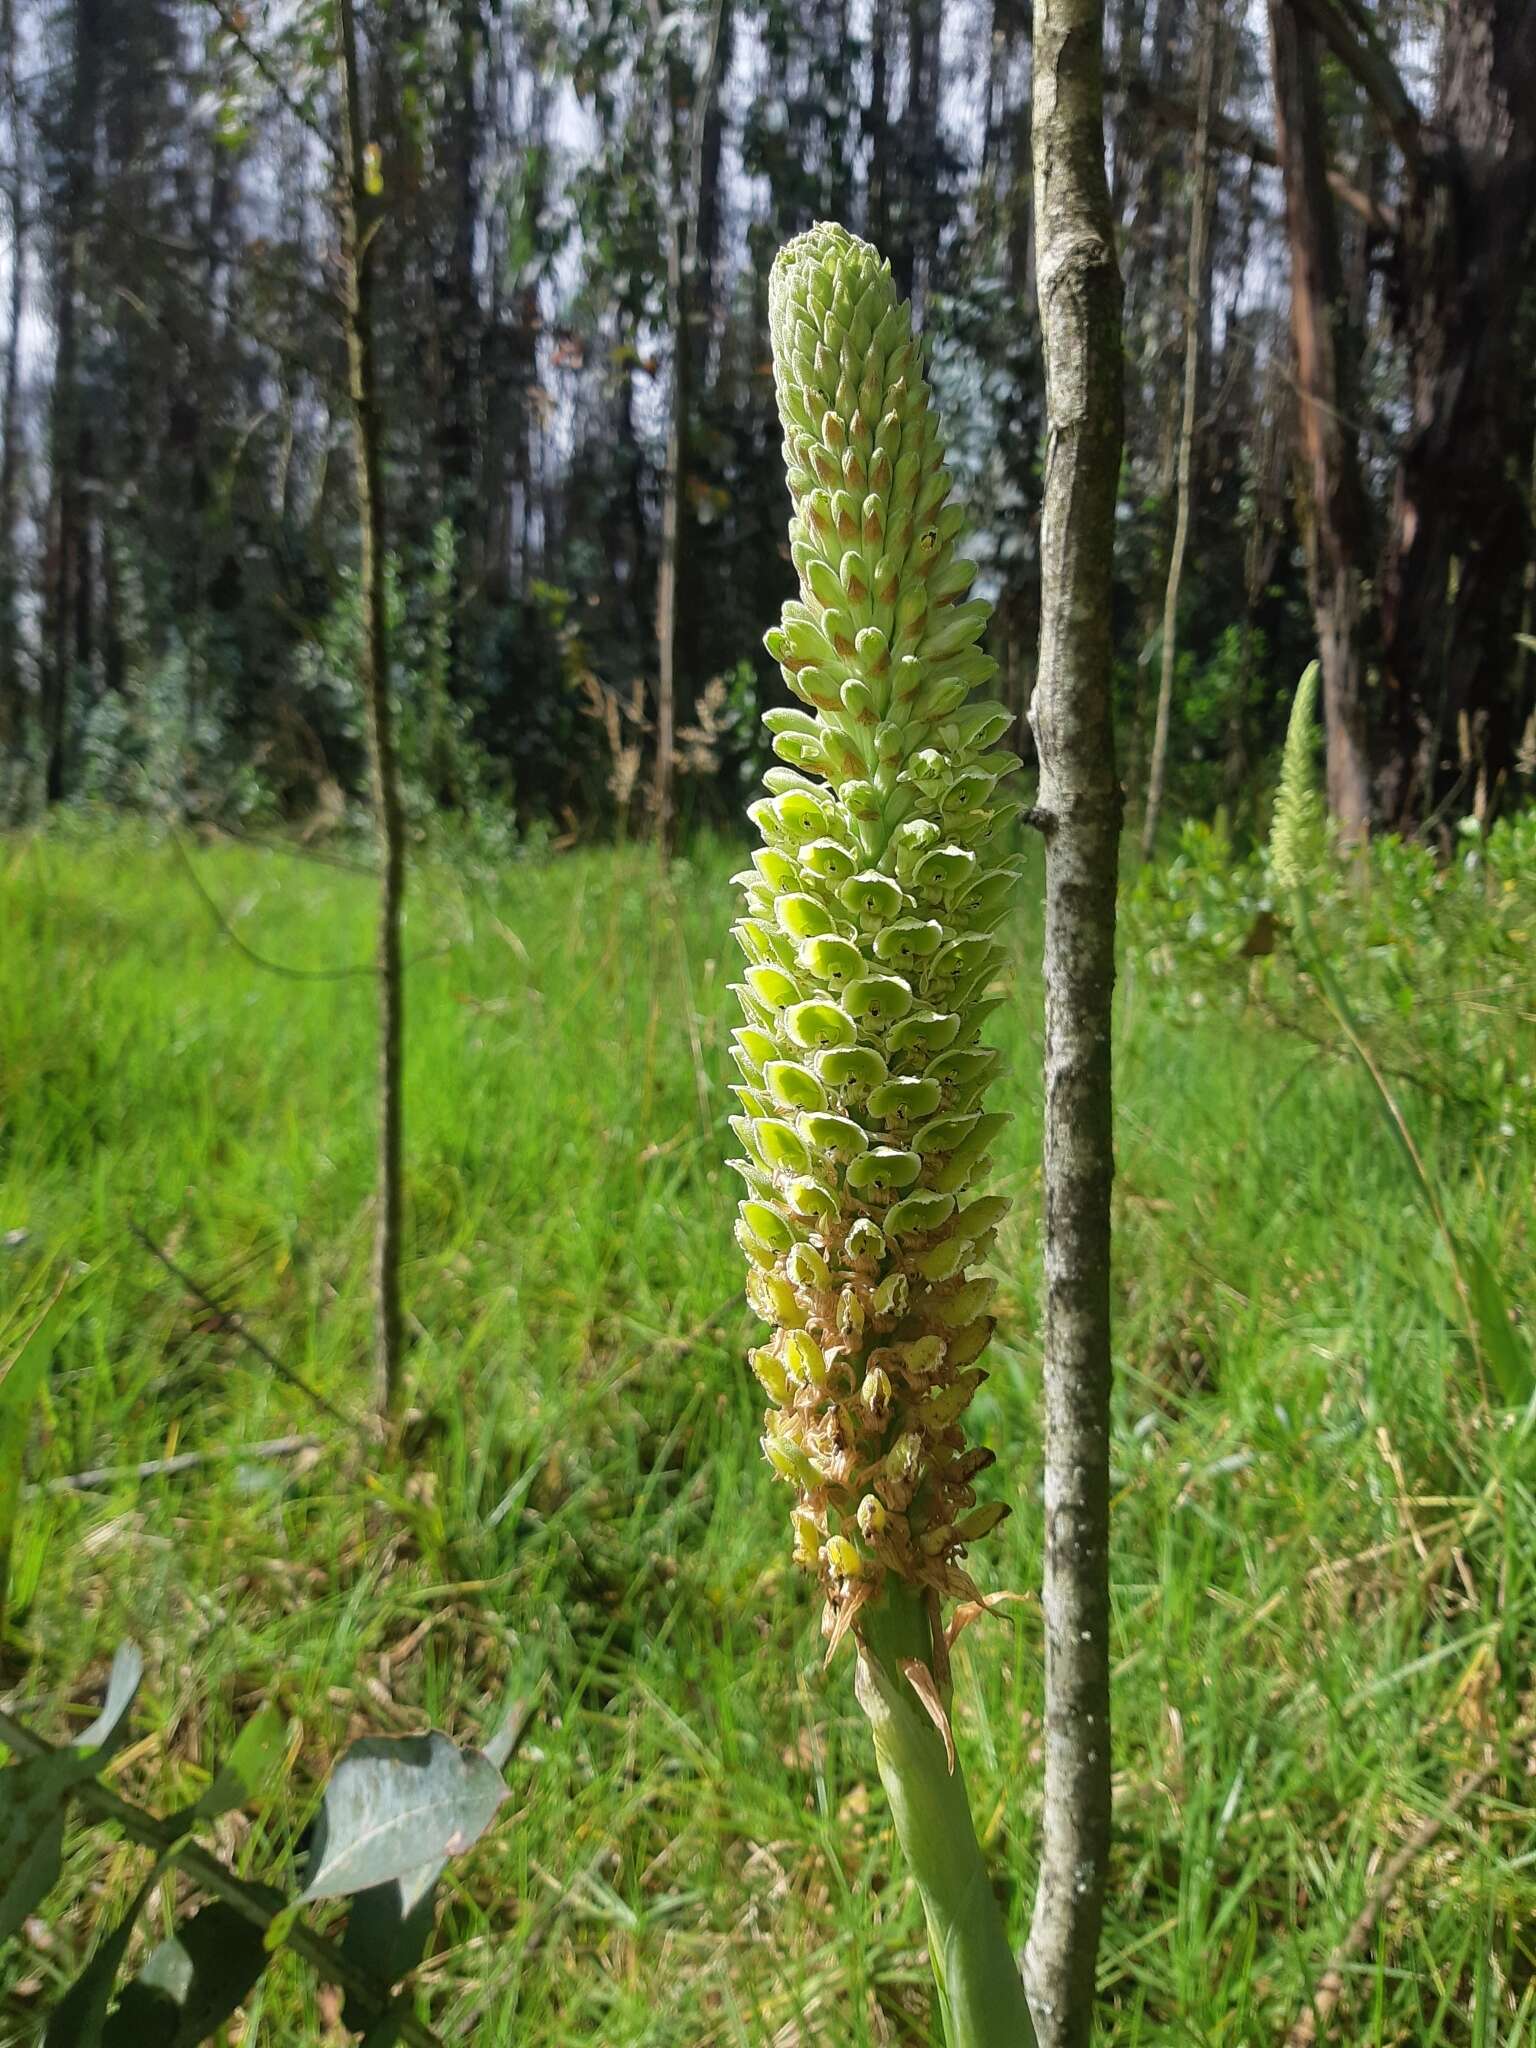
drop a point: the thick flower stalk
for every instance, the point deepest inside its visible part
(1298, 839)
(869, 932)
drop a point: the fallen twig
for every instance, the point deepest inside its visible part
(231, 1319)
(183, 1461)
(296, 850)
(1326, 1048)
(362, 970)
(260, 959)
(1330, 1986)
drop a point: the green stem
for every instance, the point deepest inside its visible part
(1333, 995)
(981, 1993)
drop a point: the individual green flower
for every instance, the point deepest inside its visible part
(869, 931)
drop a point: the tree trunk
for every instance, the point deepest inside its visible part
(1080, 803)
(458, 300)
(1261, 546)
(669, 561)
(1525, 644)
(877, 126)
(914, 256)
(1128, 131)
(696, 652)
(1460, 529)
(1196, 278)
(684, 179)
(68, 601)
(359, 241)
(1331, 498)
(11, 701)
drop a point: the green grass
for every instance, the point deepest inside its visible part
(1325, 1545)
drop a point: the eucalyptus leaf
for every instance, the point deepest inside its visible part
(79, 2020)
(34, 1794)
(194, 1981)
(122, 1688)
(397, 1806)
(386, 1936)
(250, 1767)
(33, 1798)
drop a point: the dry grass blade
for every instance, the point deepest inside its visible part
(1318, 2016)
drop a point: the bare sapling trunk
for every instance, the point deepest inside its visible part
(1199, 221)
(1080, 809)
(359, 243)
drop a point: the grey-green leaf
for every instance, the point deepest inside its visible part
(194, 1981)
(395, 1806)
(122, 1686)
(35, 1792)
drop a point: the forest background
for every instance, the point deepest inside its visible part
(1325, 219)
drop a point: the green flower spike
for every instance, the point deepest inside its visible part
(868, 931)
(1296, 830)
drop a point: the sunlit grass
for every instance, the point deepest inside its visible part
(1325, 1609)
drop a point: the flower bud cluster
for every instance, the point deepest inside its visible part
(869, 932)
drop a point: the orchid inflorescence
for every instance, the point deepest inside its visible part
(869, 931)
(1297, 830)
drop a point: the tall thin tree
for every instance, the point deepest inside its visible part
(1199, 227)
(69, 577)
(359, 220)
(1079, 811)
(686, 122)
(10, 395)
(1331, 500)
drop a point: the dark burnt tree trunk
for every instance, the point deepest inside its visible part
(1196, 310)
(705, 256)
(915, 251)
(1460, 532)
(1331, 500)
